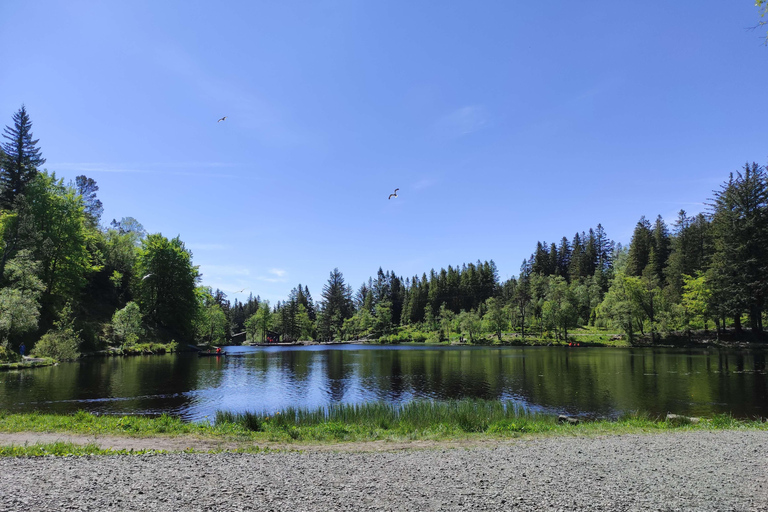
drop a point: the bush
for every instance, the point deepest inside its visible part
(62, 342)
(59, 345)
(9, 356)
(126, 325)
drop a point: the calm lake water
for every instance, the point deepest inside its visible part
(594, 382)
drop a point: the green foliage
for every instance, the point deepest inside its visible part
(696, 297)
(127, 325)
(61, 343)
(211, 323)
(9, 356)
(19, 159)
(58, 217)
(495, 319)
(62, 448)
(337, 306)
(470, 323)
(19, 301)
(165, 285)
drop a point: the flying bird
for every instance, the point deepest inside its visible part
(220, 120)
(146, 276)
(394, 194)
(240, 291)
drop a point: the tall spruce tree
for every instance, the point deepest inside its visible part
(20, 158)
(640, 248)
(739, 270)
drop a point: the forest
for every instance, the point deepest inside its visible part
(72, 284)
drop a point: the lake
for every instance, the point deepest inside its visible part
(589, 382)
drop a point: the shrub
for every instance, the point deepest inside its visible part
(58, 345)
(126, 325)
(62, 342)
(8, 356)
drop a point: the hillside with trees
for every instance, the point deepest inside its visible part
(71, 284)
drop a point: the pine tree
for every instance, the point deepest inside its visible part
(639, 248)
(20, 158)
(739, 271)
(660, 249)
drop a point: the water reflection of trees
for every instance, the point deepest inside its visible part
(600, 381)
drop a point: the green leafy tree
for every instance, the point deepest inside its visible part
(87, 188)
(252, 327)
(696, 298)
(19, 300)
(762, 5)
(447, 318)
(58, 239)
(560, 306)
(305, 323)
(63, 341)
(20, 158)
(620, 306)
(471, 323)
(127, 326)
(495, 317)
(165, 285)
(263, 319)
(382, 320)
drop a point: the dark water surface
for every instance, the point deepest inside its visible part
(582, 381)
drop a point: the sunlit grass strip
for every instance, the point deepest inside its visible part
(83, 422)
(60, 449)
(363, 422)
(426, 419)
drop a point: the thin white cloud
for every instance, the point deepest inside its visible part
(276, 275)
(462, 121)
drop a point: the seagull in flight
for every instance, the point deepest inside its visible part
(220, 120)
(393, 194)
(146, 276)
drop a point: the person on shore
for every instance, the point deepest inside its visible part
(22, 348)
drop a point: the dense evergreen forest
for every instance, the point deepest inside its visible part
(72, 284)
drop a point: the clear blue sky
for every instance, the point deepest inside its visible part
(502, 123)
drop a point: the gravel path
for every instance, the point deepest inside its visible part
(676, 471)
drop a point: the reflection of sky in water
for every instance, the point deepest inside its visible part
(590, 382)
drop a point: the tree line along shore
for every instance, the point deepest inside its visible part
(72, 284)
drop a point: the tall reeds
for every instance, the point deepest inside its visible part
(464, 415)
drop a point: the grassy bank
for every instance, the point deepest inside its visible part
(436, 421)
(27, 363)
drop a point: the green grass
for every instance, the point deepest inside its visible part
(61, 449)
(419, 420)
(47, 361)
(445, 421)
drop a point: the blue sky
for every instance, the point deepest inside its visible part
(502, 123)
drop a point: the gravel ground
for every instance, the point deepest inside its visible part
(725, 470)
